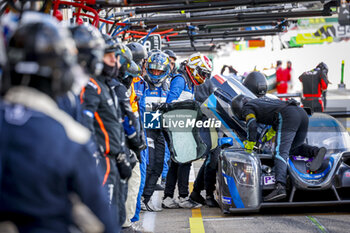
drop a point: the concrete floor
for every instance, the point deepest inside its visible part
(211, 220)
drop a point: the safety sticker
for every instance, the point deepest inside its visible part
(347, 174)
(226, 200)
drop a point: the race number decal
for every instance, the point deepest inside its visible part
(268, 180)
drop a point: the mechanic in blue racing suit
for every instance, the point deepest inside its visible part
(191, 72)
(172, 59)
(157, 69)
(290, 122)
(46, 164)
(137, 101)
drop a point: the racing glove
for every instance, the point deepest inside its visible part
(137, 144)
(252, 126)
(124, 166)
(161, 106)
(269, 135)
(249, 145)
(133, 159)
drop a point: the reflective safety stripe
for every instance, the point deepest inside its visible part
(312, 95)
(98, 87)
(250, 121)
(154, 99)
(108, 169)
(278, 156)
(82, 95)
(249, 116)
(89, 113)
(100, 123)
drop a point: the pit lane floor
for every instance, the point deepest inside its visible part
(205, 219)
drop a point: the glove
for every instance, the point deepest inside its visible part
(124, 166)
(133, 159)
(137, 144)
(249, 145)
(162, 107)
(269, 135)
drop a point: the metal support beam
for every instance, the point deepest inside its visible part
(269, 16)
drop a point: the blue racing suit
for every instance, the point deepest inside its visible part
(140, 89)
(181, 89)
(154, 95)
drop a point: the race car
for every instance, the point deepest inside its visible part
(244, 178)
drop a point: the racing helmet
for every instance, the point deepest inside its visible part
(41, 55)
(139, 52)
(149, 53)
(170, 53)
(125, 54)
(111, 45)
(157, 68)
(199, 68)
(323, 67)
(237, 104)
(256, 82)
(128, 66)
(156, 51)
(90, 45)
(131, 69)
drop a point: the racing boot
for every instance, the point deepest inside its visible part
(210, 201)
(161, 186)
(187, 203)
(147, 205)
(318, 159)
(278, 193)
(197, 197)
(170, 203)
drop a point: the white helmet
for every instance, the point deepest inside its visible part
(199, 68)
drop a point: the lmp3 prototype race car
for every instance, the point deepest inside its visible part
(244, 178)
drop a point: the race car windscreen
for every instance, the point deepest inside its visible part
(328, 132)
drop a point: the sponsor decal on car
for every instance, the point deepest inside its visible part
(268, 180)
(226, 200)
